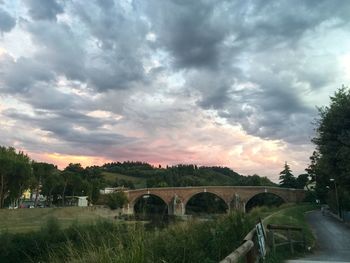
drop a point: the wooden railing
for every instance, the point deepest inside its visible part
(249, 249)
(289, 239)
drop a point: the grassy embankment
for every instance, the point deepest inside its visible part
(293, 216)
(106, 241)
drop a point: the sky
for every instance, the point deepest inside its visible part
(229, 83)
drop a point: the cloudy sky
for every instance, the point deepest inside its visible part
(232, 83)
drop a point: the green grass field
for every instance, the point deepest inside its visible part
(293, 215)
(25, 220)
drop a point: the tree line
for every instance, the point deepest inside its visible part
(182, 175)
(288, 180)
(19, 173)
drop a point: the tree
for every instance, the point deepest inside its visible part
(333, 144)
(51, 186)
(95, 180)
(72, 179)
(117, 200)
(302, 181)
(41, 171)
(286, 178)
(15, 172)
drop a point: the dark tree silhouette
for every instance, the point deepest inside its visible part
(287, 179)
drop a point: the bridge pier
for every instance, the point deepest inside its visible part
(176, 207)
(128, 209)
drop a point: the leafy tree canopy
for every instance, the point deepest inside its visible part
(15, 173)
(332, 155)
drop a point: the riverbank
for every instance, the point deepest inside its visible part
(106, 241)
(114, 241)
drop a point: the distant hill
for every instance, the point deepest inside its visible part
(140, 174)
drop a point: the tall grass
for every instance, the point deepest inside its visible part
(193, 241)
(106, 241)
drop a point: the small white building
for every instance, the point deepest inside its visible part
(80, 201)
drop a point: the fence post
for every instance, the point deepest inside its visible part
(290, 242)
(273, 241)
(304, 239)
(250, 256)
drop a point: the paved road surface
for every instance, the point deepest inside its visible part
(333, 239)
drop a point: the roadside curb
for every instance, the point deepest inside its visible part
(335, 216)
(339, 218)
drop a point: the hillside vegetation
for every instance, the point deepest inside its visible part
(18, 173)
(138, 175)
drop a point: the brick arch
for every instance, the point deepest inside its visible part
(205, 191)
(241, 194)
(276, 192)
(133, 201)
(209, 191)
(247, 201)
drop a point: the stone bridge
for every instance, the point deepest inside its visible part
(235, 197)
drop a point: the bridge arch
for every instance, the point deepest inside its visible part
(150, 202)
(235, 197)
(203, 189)
(206, 201)
(264, 198)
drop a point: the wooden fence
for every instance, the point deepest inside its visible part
(289, 239)
(249, 250)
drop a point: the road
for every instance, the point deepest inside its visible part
(333, 239)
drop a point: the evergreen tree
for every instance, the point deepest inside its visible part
(287, 179)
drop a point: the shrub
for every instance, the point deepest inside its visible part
(116, 200)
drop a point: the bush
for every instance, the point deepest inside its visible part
(117, 200)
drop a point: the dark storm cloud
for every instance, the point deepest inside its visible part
(21, 75)
(111, 55)
(7, 22)
(245, 60)
(210, 39)
(73, 127)
(194, 32)
(60, 49)
(44, 10)
(190, 30)
(120, 44)
(59, 53)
